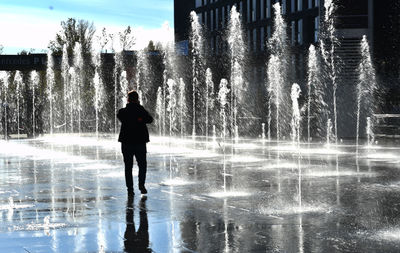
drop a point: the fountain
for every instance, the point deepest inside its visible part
(237, 54)
(65, 76)
(118, 68)
(370, 132)
(316, 105)
(35, 83)
(209, 97)
(296, 117)
(366, 87)
(4, 78)
(160, 110)
(277, 67)
(50, 87)
(18, 82)
(329, 54)
(196, 41)
(98, 90)
(172, 105)
(182, 105)
(124, 88)
(79, 81)
(224, 105)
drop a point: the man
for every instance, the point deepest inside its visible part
(133, 137)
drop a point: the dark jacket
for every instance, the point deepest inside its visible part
(133, 124)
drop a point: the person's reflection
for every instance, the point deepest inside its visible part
(136, 241)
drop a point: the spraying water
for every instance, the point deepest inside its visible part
(50, 86)
(277, 67)
(123, 81)
(370, 132)
(18, 84)
(182, 105)
(65, 76)
(366, 86)
(98, 90)
(159, 109)
(296, 118)
(316, 105)
(35, 83)
(209, 97)
(329, 54)
(4, 76)
(172, 104)
(329, 133)
(196, 40)
(237, 51)
(79, 77)
(118, 67)
(224, 105)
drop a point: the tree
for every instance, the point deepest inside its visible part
(126, 39)
(73, 31)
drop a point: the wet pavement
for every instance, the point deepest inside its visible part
(67, 194)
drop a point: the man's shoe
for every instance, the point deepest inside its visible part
(142, 189)
(131, 192)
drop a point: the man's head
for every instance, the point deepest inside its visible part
(133, 97)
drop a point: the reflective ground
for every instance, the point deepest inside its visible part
(67, 194)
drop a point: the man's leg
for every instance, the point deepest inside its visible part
(127, 152)
(140, 154)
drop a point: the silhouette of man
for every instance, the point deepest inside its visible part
(136, 241)
(133, 137)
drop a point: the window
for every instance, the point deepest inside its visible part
(248, 10)
(299, 5)
(268, 9)
(217, 45)
(268, 32)
(200, 18)
(310, 5)
(293, 32)
(216, 19)
(199, 3)
(249, 38)
(293, 6)
(253, 11)
(316, 29)
(206, 19)
(212, 20)
(317, 3)
(283, 7)
(262, 38)
(255, 40)
(262, 8)
(300, 32)
(223, 17)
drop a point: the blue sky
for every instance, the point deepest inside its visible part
(26, 24)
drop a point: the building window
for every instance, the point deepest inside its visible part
(200, 16)
(262, 38)
(248, 10)
(283, 7)
(223, 17)
(212, 20)
(316, 29)
(206, 19)
(300, 32)
(293, 6)
(299, 5)
(317, 3)
(262, 8)
(216, 19)
(310, 5)
(255, 40)
(249, 38)
(268, 9)
(199, 3)
(253, 11)
(293, 32)
(268, 32)
(241, 9)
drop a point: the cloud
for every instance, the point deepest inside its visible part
(26, 29)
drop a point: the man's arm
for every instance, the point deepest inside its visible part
(146, 117)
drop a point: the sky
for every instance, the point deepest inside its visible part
(31, 24)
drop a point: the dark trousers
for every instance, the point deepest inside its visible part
(139, 151)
